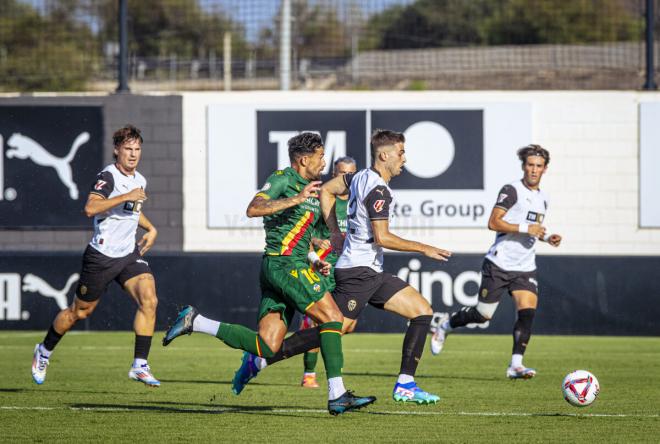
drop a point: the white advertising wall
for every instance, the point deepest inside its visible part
(460, 148)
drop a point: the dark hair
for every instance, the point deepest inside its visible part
(346, 159)
(533, 150)
(381, 137)
(128, 132)
(304, 144)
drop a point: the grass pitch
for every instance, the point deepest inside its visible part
(88, 397)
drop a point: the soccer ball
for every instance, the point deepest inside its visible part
(580, 388)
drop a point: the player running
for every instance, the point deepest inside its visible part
(115, 202)
(321, 241)
(290, 208)
(510, 264)
(359, 275)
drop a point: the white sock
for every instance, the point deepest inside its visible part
(309, 373)
(405, 379)
(44, 352)
(335, 387)
(137, 362)
(446, 327)
(260, 363)
(516, 361)
(205, 325)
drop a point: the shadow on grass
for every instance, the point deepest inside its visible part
(46, 390)
(199, 381)
(418, 377)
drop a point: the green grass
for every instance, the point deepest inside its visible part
(88, 397)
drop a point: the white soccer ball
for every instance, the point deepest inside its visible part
(580, 388)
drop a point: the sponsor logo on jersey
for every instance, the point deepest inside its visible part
(535, 217)
(99, 185)
(378, 205)
(502, 198)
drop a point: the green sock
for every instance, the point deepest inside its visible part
(237, 336)
(333, 357)
(310, 361)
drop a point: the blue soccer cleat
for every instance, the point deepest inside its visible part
(183, 325)
(347, 402)
(245, 373)
(39, 366)
(143, 374)
(411, 393)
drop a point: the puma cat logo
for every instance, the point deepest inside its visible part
(35, 284)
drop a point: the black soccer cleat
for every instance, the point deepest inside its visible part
(347, 402)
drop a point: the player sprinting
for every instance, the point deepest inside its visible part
(290, 208)
(359, 275)
(115, 201)
(341, 166)
(510, 264)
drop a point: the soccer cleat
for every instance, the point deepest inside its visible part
(411, 393)
(183, 325)
(309, 381)
(520, 373)
(39, 366)
(245, 373)
(347, 402)
(143, 374)
(438, 337)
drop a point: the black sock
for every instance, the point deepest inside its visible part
(465, 316)
(522, 330)
(413, 344)
(142, 347)
(299, 342)
(51, 339)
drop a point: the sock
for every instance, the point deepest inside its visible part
(516, 360)
(522, 330)
(405, 379)
(310, 360)
(237, 336)
(261, 363)
(44, 352)
(465, 316)
(299, 342)
(137, 362)
(335, 387)
(50, 341)
(413, 344)
(446, 327)
(333, 357)
(142, 347)
(205, 325)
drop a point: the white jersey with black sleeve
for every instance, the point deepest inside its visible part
(516, 251)
(370, 199)
(115, 229)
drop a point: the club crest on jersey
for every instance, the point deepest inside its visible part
(378, 205)
(99, 185)
(317, 288)
(535, 217)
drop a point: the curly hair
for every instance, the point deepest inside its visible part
(533, 150)
(304, 144)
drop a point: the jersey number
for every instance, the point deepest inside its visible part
(310, 275)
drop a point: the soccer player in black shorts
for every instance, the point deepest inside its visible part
(510, 264)
(115, 202)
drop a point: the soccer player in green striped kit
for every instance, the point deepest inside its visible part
(289, 205)
(321, 242)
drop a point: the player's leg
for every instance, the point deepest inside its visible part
(310, 358)
(396, 296)
(494, 283)
(526, 301)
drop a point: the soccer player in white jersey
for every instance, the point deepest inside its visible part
(359, 275)
(510, 264)
(115, 202)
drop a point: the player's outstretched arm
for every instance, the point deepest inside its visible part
(97, 204)
(149, 238)
(496, 223)
(262, 205)
(386, 239)
(328, 199)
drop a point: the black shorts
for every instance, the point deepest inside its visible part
(98, 270)
(358, 286)
(496, 281)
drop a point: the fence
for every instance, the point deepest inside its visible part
(60, 45)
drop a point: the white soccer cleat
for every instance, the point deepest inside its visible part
(520, 373)
(143, 374)
(39, 366)
(438, 337)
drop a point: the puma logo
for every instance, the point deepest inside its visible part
(23, 147)
(35, 284)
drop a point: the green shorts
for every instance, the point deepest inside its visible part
(288, 285)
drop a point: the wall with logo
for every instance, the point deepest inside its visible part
(52, 147)
(461, 150)
(595, 295)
